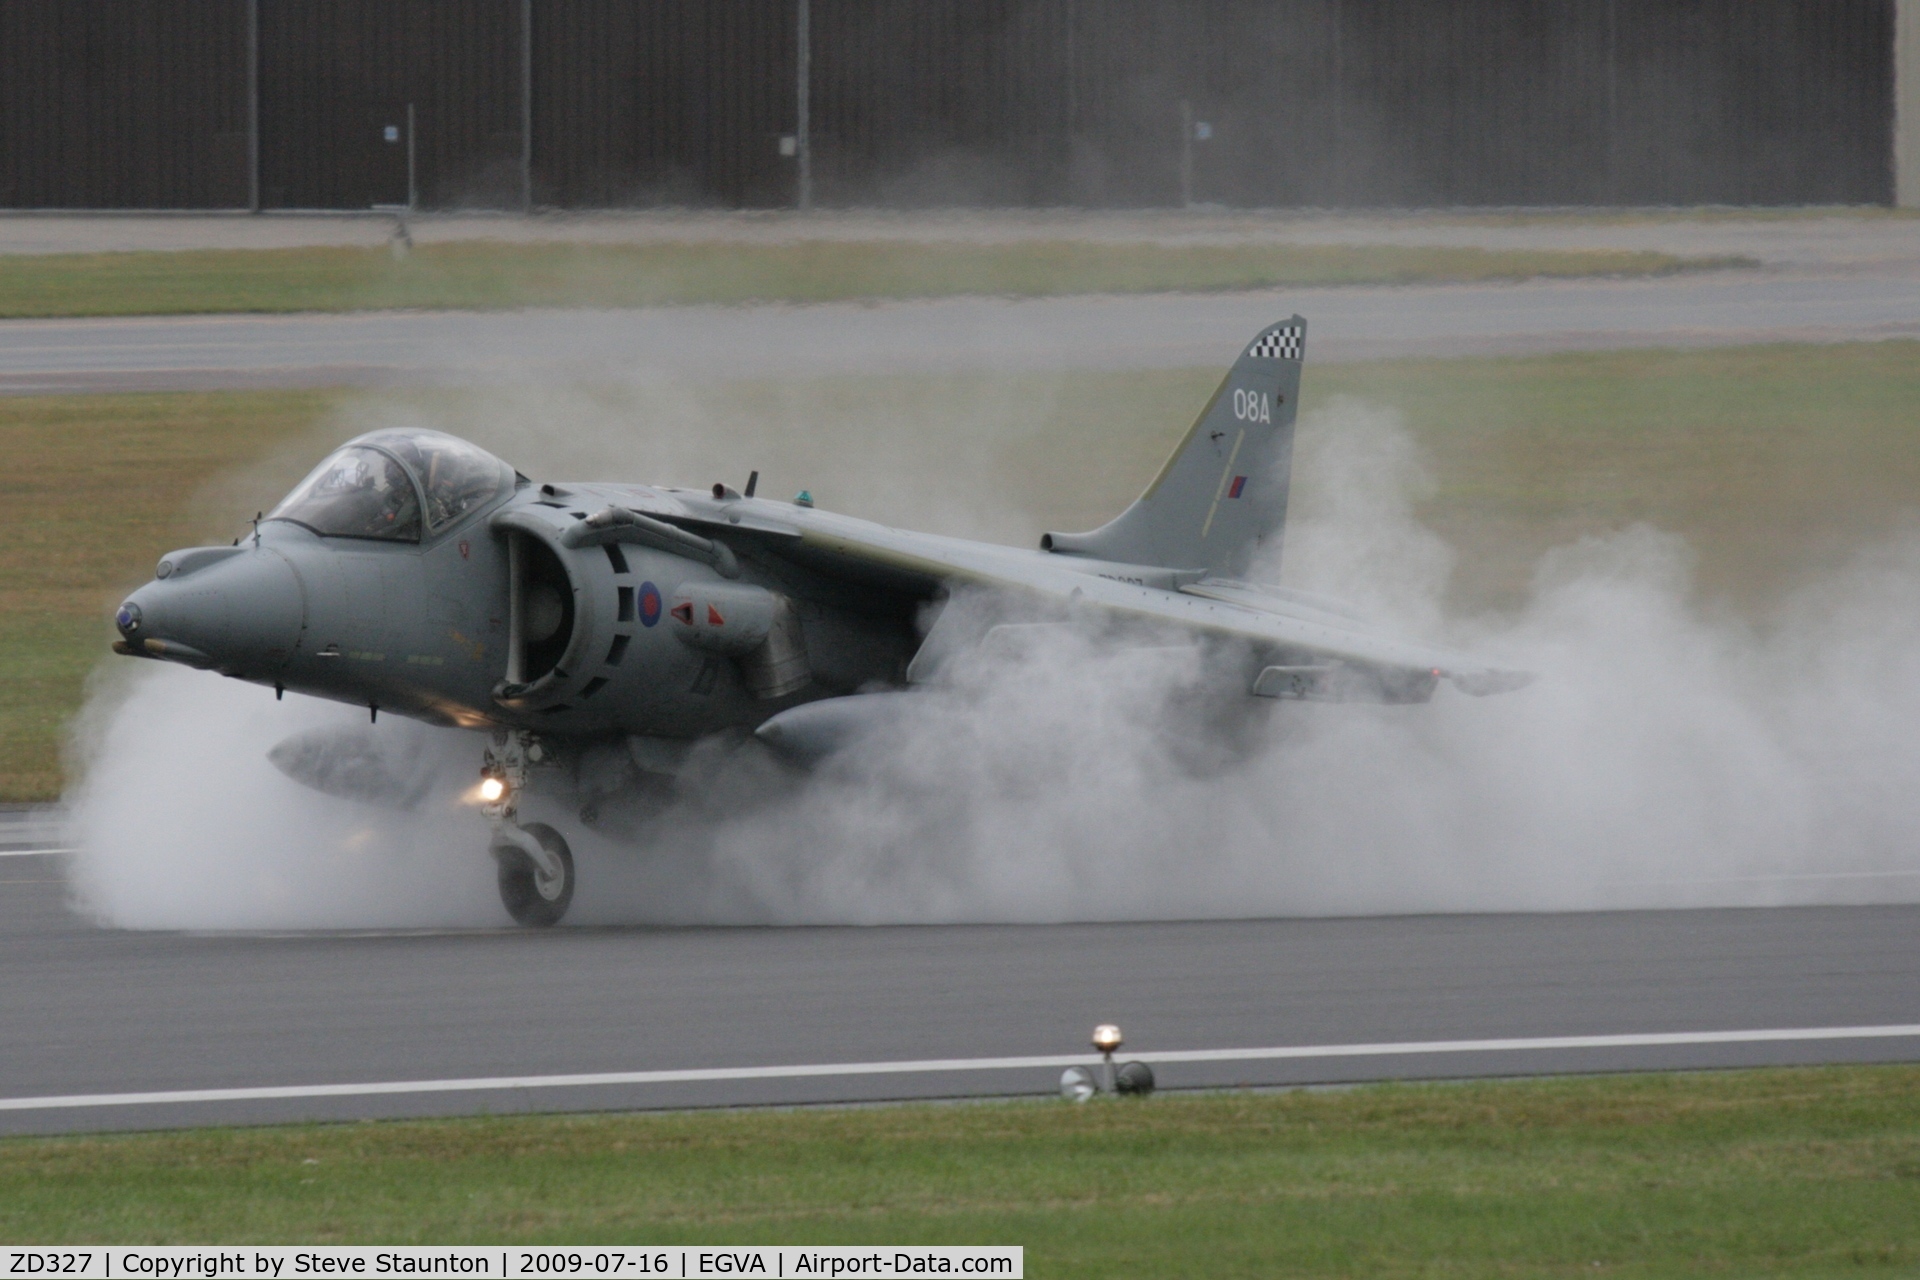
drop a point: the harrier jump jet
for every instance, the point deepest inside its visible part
(592, 632)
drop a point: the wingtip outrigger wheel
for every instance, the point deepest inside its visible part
(535, 865)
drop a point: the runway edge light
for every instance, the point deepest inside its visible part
(1134, 1079)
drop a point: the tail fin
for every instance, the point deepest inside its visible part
(1222, 496)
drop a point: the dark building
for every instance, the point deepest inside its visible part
(347, 104)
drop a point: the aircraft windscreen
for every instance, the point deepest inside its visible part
(455, 476)
(356, 493)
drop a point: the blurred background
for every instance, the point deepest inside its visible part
(571, 104)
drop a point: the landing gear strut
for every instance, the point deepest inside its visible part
(535, 866)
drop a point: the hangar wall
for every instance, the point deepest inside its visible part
(1906, 112)
(336, 77)
(114, 104)
(289, 104)
(663, 102)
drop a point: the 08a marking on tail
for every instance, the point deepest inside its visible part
(1252, 406)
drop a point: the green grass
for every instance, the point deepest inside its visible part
(1773, 462)
(1659, 214)
(482, 274)
(1804, 1172)
(97, 488)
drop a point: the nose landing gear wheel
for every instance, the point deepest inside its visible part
(535, 896)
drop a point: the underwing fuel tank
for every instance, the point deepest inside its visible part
(238, 610)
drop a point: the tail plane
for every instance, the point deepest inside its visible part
(1222, 497)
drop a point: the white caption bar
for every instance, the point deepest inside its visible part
(629, 1262)
(930, 1066)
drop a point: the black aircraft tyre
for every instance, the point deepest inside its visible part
(528, 899)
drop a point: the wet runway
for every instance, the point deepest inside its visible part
(88, 1011)
(85, 1011)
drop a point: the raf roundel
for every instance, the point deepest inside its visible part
(649, 604)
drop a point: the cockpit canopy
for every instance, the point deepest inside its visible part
(378, 485)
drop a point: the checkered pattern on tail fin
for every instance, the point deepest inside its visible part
(1282, 342)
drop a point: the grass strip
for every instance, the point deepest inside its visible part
(1774, 462)
(485, 275)
(1660, 215)
(1790, 1172)
(97, 489)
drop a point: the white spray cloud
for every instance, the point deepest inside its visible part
(182, 823)
(1351, 532)
(1663, 758)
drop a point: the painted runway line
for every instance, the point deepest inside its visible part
(937, 1065)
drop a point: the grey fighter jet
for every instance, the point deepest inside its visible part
(592, 632)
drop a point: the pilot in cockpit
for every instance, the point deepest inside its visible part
(373, 487)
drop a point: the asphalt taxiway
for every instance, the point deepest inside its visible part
(1819, 277)
(1146, 331)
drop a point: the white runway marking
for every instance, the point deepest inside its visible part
(934, 1065)
(33, 853)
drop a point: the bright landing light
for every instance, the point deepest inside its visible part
(492, 789)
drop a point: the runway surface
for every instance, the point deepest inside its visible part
(1106, 332)
(90, 1011)
(86, 1011)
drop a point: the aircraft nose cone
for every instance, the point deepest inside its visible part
(240, 611)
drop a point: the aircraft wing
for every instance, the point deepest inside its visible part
(1310, 647)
